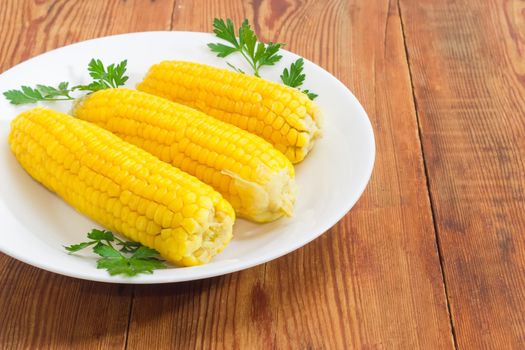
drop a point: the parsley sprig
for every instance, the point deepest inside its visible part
(130, 259)
(294, 77)
(28, 94)
(103, 78)
(256, 53)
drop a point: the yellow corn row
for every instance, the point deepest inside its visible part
(283, 116)
(249, 172)
(123, 187)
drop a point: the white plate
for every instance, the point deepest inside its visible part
(35, 224)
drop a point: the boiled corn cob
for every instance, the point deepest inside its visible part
(123, 187)
(281, 115)
(253, 176)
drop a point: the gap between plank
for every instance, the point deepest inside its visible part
(130, 312)
(172, 14)
(427, 179)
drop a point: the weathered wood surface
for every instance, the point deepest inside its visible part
(375, 280)
(468, 63)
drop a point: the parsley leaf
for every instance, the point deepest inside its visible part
(99, 235)
(106, 251)
(142, 259)
(294, 77)
(76, 247)
(104, 78)
(50, 92)
(311, 95)
(256, 53)
(111, 77)
(222, 50)
(96, 69)
(115, 265)
(28, 94)
(225, 31)
(144, 253)
(269, 56)
(145, 265)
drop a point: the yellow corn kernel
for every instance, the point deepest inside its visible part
(248, 102)
(38, 141)
(249, 172)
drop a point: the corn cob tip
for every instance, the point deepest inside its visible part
(313, 125)
(268, 201)
(214, 238)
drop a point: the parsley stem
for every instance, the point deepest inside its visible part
(252, 64)
(109, 243)
(118, 239)
(59, 99)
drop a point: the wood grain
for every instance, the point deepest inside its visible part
(40, 309)
(374, 280)
(468, 65)
(32, 27)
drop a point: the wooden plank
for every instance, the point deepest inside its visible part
(40, 309)
(32, 27)
(467, 61)
(374, 280)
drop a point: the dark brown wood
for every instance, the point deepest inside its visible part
(374, 280)
(39, 309)
(468, 63)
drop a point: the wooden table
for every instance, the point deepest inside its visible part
(432, 256)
